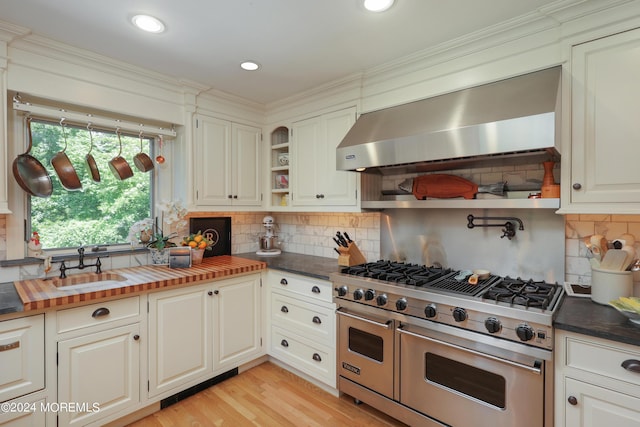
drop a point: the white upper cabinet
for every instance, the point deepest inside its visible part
(226, 163)
(315, 180)
(605, 130)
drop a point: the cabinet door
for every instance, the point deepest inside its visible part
(179, 338)
(338, 187)
(599, 406)
(100, 372)
(21, 356)
(246, 173)
(315, 179)
(237, 322)
(212, 163)
(306, 163)
(605, 141)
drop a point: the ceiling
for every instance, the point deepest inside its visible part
(300, 44)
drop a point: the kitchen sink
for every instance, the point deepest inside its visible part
(89, 279)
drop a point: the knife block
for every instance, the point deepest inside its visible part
(350, 255)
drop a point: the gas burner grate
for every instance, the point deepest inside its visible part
(398, 272)
(527, 293)
(450, 284)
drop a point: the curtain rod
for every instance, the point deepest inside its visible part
(81, 118)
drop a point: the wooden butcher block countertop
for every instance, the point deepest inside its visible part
(43, 293)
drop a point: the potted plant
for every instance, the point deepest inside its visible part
(198, 244)
(158, 246)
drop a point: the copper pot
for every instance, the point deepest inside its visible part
(30, 174)
(142, 161)
(90, 162)
(118, 165)
(64, 168)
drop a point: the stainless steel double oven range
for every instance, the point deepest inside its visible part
(430, 349)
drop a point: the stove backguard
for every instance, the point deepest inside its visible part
(430, 236)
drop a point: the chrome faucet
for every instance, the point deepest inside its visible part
(81, 265)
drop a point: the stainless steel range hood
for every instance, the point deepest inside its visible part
(511, 121)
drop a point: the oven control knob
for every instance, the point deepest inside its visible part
(382, 300)
(342, 291)
(459, 314)
(430, 310)
(369, 294)
(401, 304)
(493, 325)
(524, 332)
(358, 294)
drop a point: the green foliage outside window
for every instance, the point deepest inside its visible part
(100, 213)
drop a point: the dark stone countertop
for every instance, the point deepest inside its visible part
(305, 265)
(583, 316)
(9, 300)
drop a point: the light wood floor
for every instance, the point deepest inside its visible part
(266, 395)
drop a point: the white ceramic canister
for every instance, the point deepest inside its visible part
(609, 285)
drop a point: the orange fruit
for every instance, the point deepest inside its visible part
(202, 245)
(198, 238)
(193, 244)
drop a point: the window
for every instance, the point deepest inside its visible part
(101, 212)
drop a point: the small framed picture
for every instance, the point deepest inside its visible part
(282, 181)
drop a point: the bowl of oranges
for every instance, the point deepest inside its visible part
(198, 244)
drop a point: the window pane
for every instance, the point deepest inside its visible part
(100, 213)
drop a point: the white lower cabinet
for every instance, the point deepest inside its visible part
(25, 412)
(200, 331)
(179, 337)
(237, 337)
(22, 372)
(21, 356)
(302, 324)
(597, 382)
(98, 361)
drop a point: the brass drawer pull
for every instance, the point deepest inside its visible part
(317, 357)
(317, 320)
(284, 309)
(284, 282)
(5, 347)
(102, 311)
(284, 343)
(315, 290)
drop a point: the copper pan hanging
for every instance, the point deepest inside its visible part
(30, 174)
(90, 161)
(142, 161)
(118, 165)
(64, 168)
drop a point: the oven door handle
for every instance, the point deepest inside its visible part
(535, 369)
(385, 325)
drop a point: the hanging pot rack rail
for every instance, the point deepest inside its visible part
(47, 113)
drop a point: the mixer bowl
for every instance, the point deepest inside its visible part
(268, 242)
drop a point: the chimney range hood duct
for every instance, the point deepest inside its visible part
(511, 121)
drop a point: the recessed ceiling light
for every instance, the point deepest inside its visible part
(378, 5)
(249, 65)
(148, 23)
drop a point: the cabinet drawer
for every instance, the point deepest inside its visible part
(603, 359)
(107, 312)
(24, 412)
(311, 358)
(304, 318)
(21, 356)
(319, 290)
